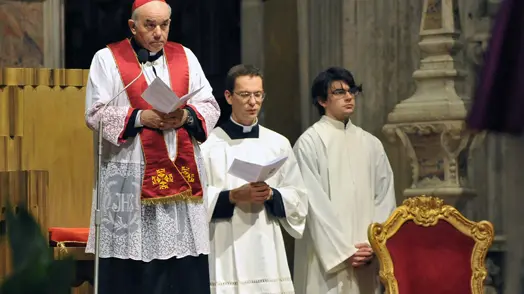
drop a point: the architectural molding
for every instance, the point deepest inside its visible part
(430, 124)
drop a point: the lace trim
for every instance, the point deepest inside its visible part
(210, 111)
(113, 118)
(257, 281)
(186, 196)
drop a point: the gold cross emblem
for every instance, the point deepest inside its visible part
(162, 178)
(186, 172)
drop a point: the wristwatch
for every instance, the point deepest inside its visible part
(190, 120)
(270, 196)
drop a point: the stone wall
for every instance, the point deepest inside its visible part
(31, 33)
(378, 42)
(22, 34)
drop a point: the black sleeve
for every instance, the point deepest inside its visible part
(195, 129)
(131, 130)
(224, 208)
(275, 206)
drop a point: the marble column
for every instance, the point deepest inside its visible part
(430, 124)
(24, 38)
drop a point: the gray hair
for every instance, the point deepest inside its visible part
(134, 15)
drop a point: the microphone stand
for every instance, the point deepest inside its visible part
(142, 58)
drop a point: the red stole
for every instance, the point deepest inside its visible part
(164, 180)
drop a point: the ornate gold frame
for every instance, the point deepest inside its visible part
(427, 211)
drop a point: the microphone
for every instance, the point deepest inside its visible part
(142, 56)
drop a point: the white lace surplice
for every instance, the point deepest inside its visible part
(130, 230)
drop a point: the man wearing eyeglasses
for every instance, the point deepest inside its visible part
(350, 185)
(247, 248)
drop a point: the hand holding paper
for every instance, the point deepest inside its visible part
(252, 172)
(163, 99)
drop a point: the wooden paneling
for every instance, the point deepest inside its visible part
(22, 188)
(46, 150)
(45, 130)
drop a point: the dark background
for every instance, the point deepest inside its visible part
(210, 28)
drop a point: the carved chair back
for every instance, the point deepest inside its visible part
(428, 247)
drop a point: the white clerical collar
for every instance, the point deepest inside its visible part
(245, 129)
(157, 61)
(336, 123)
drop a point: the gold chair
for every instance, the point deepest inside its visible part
(426, 247)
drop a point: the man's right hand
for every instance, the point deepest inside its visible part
(250, 193)
(154, 119)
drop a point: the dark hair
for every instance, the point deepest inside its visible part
(322, 84)
(240, 71)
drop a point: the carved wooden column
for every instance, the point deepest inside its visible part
(11, 118)
(430, 124)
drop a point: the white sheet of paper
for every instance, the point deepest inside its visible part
(252, 172)
(163, 99)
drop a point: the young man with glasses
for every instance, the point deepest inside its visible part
(350, 185)
(247, 247)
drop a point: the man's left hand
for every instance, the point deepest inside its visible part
(175, 119)
(366, 253)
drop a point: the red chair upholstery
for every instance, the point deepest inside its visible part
(68, 237)
(428, 247)
(72, 242)
(69, 241)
